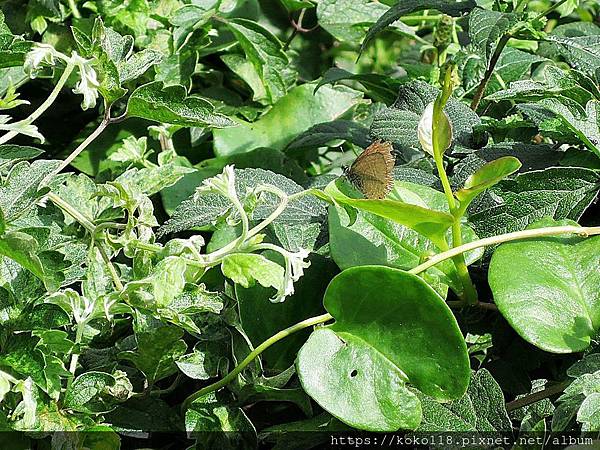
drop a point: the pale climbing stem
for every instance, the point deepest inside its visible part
(92, 229)
(507, 237)
(44, 106)
(469, 293)
(257, 351)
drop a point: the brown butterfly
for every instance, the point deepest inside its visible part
(371, 172)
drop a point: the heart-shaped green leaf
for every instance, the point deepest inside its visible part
(547, 289)
(391, 329)
(485, 177)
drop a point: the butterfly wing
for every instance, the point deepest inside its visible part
(371, 173)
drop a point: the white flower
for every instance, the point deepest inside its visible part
(40, 54)
(298, 264)
(88, 81)
(425, 130)
(294, 269)
(21, 127)
(223, 183)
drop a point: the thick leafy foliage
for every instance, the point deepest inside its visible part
(204, 257)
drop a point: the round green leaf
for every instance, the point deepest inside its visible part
(547, 289)
(355, 383)
(391, 329)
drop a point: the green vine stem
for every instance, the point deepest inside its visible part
(74, 9)
(81, 147)
(517, 235)
(75, 356)
(92, 229)
(507, 237)
(257, 351)
(537, 396)
(498, 51)
(44, 106)
(469, 293)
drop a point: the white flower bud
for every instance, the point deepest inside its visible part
(425, 130)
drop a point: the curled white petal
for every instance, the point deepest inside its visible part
(88, 81)
(39, 55)
(298, 263)
(294, 269)
(21, 127)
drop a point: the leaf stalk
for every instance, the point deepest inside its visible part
(257, 351)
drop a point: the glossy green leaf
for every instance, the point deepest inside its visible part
(372, 239)
(22, 186)
(158, 347)
(294, 113)
(261, 319)
(170, 104)
(547, 289)
(219, 425)
(87, 392)
(486, 27)
(161, 286)
(379, 87)
(265, 53)
(205, 362)
(428, 222)
(349, 20)
(12, 48)
(555, 116)
(453, 8)
(589, 364)
(11, 154)
(145, 413)
(589, 413)
(582, 52)
(24, 249)
(554, 83)
(324, 133)
(486, 177)
(358, 368)
(557, 192)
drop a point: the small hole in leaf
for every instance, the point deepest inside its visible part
(353, 373)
